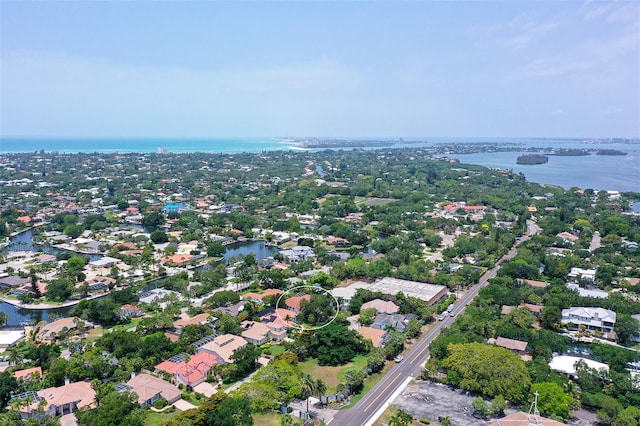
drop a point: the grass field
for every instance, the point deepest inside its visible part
(332, 375)
(158, 419)
(270, 419)
(367, 201)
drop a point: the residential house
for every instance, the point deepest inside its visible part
(599, 294)
(28, 374)
(150, 389)
(337, 241)
(129, 311)
(259, 333)
(258, 297)
(567, 364)
(279, 321)
(568, 237)
(396, 321)
(61, 327)
(294, 303)
(191, 372)
(516, 346)
(99, 282)
(61, 400)
(185, 320)
(224, 346)
(377, 336)
(13, 281)
(591, 318)
(297, 254)
(381, 306)
(585, 274)
(534, 283)
(177, 259)
(232, 310)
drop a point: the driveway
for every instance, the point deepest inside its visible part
(183, 405)
(207, 389)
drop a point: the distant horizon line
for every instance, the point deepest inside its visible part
(300, 137)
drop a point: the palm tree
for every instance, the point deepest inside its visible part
(321, 388)
(446, 421)
(401, 418)
(307, 387)
(14, 356)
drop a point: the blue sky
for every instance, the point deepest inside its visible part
(328, 68)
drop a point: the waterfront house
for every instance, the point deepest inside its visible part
(13, 281)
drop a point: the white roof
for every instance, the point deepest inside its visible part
(10, 337)
(600, 314)
(566, 364)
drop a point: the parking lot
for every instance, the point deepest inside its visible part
(431, 400)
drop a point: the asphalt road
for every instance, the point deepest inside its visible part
(411, 366)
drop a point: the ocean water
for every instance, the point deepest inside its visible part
(124, 145)
(619, 173)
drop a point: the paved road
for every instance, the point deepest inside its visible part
(411, 366)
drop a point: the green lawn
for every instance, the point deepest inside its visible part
(276, 350)
(332, 376)
(158, 419)
(270, 419)
(368, 201)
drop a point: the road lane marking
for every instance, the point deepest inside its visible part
(419, 354)
(382, 392)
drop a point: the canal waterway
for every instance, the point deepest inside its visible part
(258, 247)
(24, 242)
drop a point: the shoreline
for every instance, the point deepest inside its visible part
(45, 306)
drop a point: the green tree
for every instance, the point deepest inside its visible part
(307, 387)
(488, 369)
(115, 409)
(367, 316)
(355, 380)
(334, 344)
(498, 405)
(400, 418)
(630, 416)
(552, 400)
(216, 249)
(8, 384)
(480, 405)
(159, 237)
(626, 327)
(153, 220)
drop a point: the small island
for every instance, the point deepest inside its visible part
(532, 159)
(610, 152)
